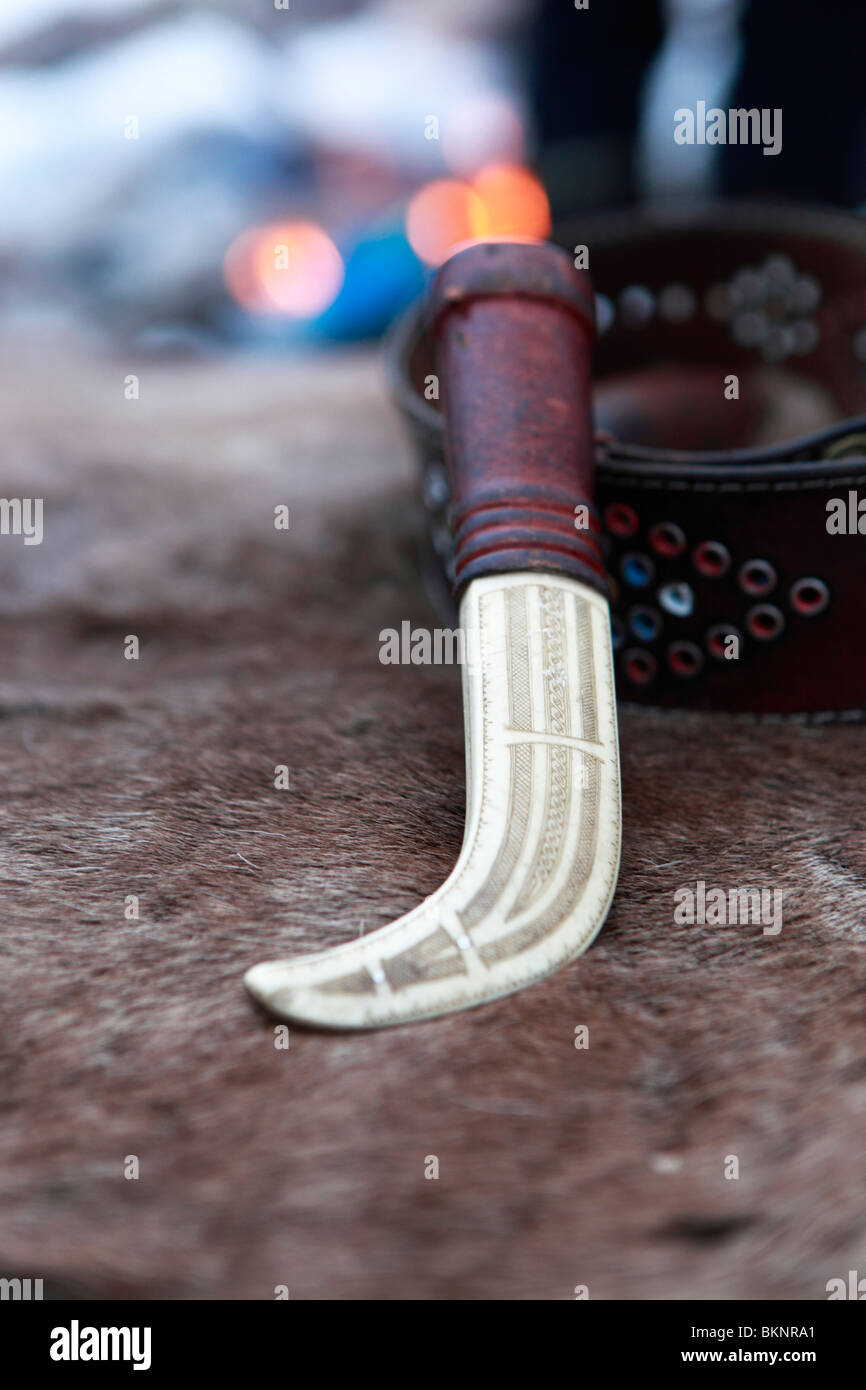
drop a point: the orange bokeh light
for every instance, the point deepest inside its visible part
(291, 269)
(502, 200)
(515, 201)
(440, 215)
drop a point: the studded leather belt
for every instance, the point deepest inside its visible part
(730, 412)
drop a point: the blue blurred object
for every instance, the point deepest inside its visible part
(383, 275)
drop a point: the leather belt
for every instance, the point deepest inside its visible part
(730, 410)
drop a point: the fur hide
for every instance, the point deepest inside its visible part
(263, 1166)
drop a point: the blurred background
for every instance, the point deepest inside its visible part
(196, 175)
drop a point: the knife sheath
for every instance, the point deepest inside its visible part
(513, 325)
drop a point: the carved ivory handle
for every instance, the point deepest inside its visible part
(540, 856)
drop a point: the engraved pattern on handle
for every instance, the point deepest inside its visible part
(540, 855)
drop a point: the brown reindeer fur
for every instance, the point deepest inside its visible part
(306, 1167)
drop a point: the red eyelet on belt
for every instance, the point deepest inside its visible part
(718, 638)
(639, 666)
(711, 559)
(765, 622)
(809, 597)
(685, 659)
(668, 539)
(621, 519)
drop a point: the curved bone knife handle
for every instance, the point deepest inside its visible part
(513, 324)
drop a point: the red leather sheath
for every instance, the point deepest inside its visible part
(513, 324)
